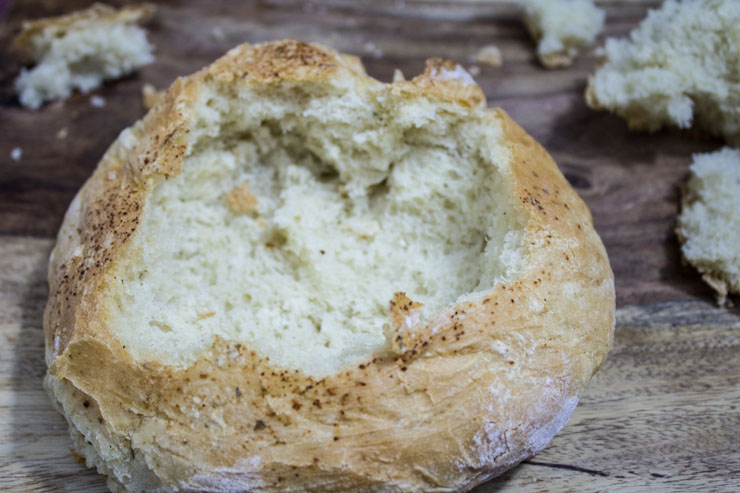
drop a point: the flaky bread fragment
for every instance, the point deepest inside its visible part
(678, 68)
(79, 51)
(709, 224)
(405, 209)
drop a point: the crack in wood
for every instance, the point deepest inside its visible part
(568, 467)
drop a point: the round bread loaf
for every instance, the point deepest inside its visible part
(291, 276)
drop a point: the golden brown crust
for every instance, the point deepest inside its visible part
(485, 384)
(132, 14)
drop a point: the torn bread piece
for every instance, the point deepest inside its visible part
(678, 68)
(562, 28)
(709, 224)
(79, 51)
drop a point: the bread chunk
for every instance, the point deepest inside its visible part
(709, 225)
(489, 55)
(562, 28)
(81, 50)
(406, 296)
(678, 68)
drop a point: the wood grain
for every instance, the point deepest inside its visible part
(664, 411)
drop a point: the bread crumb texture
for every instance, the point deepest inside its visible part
(289, 276)
(562, 28)
(709, 225)
(81, 50)
(355, 195)
(679, 68)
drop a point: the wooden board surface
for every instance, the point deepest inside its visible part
(664, 411)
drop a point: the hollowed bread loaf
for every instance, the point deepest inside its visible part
(289, 276)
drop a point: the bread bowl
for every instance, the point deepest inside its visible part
(291, 276)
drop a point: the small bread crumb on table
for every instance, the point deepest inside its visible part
(16, 154)
(97, 101)
(489, 55)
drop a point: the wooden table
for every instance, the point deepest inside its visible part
(664, 411)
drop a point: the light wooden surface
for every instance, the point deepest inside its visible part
(664, 411)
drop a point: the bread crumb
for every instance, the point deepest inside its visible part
(16, 154)
(150, 96)
(678, 68)
(562, 28)
(398, 76)
(474, 70)
(79, 51)
(709, 224)
(218, 34)
(62, 133)
(489, 55)
(372, 50)
(97, 101)
(240, 199)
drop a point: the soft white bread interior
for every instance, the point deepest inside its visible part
(562, 28)
(297, 218)
(79, 51)
(289, 275)
(709, 224)
(678, 68)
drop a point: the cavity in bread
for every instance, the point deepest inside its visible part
(344, 216)
(709, 224)
(289, 275)
(562, 28)
(678, 68)
(79, 51)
